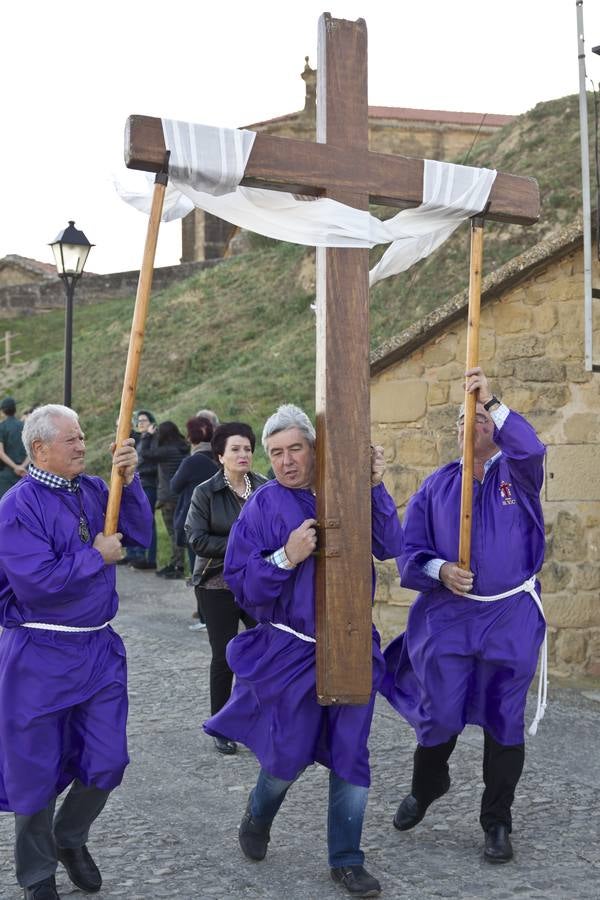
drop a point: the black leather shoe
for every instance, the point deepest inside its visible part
(81, 868)
(411, 812)
(166, 571)
(357, 881)
(224, 745)
(143, 564)
(498, 848)
(254, 838)
(42, 890)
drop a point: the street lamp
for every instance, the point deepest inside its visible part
(70, 248)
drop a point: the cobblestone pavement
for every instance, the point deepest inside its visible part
(170, 830)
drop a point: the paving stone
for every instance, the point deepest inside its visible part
(170, 831)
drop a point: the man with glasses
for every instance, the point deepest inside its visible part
(471, 645)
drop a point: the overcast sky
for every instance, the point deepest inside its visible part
(71, 73)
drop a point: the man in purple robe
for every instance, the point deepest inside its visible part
(63, 680)
(471, 644)
(270, 568)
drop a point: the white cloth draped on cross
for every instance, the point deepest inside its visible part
(206, 166)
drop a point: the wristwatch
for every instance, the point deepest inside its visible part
(493, 401)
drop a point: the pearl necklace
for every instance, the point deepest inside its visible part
(247, 489)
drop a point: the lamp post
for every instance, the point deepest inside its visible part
(70, 248)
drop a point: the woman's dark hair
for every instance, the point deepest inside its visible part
(147, 413)
(227, 430)
(199, 430)
(169, 433)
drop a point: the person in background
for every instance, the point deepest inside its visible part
(215, 506)
(166, 447)
(193, 470)
(148, 472)
(13, 457)
(208, 414)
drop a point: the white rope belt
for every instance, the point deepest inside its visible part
(542, 697)
(46, 626)
(298, 634)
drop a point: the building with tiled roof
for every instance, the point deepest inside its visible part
(430, 133)
(15, 269)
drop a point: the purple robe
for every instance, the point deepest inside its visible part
(463, 661)
(63, 696)
(273, 708)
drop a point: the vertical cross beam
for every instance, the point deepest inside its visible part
(343, 581)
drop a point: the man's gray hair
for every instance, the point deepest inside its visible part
(288, 416)
(41, 424)
(208, 414)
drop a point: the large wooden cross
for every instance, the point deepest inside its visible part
(341, 166)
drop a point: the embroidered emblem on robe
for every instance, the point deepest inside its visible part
(505, 493)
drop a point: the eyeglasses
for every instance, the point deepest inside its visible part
(479, 420)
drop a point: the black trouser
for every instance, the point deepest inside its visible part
(222, 616)
(38, 835)
(502, 767)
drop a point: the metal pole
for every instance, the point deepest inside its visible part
(70, 290)
(585, 194)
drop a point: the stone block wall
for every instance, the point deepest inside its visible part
(532, 350)
(35, 297)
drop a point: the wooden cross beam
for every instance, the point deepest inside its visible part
(341, 166)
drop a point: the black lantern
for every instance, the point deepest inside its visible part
(71, 249)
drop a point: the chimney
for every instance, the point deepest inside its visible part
(309, 76)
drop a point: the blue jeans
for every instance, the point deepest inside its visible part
(347, 804)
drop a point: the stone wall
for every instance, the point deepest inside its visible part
(11, 275)
(431, 140)
(532, 350)
(34, 297)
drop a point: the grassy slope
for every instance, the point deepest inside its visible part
(239, 338)
(543, 143)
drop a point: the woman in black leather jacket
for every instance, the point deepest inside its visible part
(215, 506)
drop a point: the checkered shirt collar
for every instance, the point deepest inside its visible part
(53, 481)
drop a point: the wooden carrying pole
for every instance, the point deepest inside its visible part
(466, 499)
(136, 343)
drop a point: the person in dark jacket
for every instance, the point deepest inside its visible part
(193, 470)
(215, 506)
(166, 447)
(148, 472)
